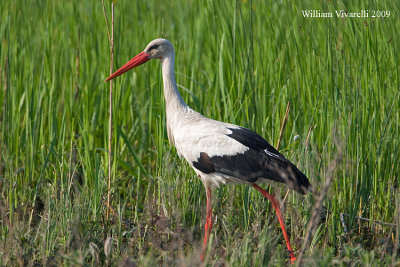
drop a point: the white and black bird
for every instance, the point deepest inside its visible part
(220, 153)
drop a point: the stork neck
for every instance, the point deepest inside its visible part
(173, 100)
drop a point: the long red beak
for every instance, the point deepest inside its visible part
(134, 62)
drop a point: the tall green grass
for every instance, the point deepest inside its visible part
(236, 61)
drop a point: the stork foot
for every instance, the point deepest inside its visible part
(291, 256)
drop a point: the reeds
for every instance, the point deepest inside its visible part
(239, 62)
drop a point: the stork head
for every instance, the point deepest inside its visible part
(158, 48)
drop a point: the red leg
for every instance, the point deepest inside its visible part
(275, 205)
(208, 225)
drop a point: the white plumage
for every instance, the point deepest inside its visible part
(219, 152)
(202, 139)
(193, 136)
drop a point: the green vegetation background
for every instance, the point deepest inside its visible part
(237, 61)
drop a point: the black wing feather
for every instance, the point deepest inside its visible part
(261, 160)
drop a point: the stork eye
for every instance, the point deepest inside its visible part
(153, 47)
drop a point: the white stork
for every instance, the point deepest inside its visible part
(219, 152)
